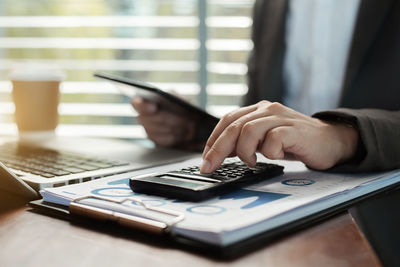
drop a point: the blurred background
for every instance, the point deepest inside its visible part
(198, 48)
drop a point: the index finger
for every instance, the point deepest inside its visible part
(221, 149)
(223, 123)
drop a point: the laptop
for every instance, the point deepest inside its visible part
(26, 169)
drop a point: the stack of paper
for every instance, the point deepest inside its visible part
(230, 218)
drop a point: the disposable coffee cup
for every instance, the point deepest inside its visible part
(36, 95)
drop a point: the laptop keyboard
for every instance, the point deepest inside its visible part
(50, 163)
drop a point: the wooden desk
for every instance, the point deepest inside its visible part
(30, 239)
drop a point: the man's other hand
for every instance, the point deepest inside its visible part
(162, 127)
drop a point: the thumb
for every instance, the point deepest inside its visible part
(144, 107)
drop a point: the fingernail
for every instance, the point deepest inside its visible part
(205, 166)
(206, 149)
(151, 108)
(252, 161)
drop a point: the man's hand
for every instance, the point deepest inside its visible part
(278, 132)
(162, 127)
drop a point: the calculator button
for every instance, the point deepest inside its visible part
(230, 171)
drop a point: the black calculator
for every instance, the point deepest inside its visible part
(189, 184)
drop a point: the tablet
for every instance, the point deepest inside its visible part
(164, 100)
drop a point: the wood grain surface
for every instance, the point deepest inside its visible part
(31, 239)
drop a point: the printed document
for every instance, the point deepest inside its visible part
(232, 217)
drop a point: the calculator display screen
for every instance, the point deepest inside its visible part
(178, 182)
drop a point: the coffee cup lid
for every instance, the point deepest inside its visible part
(32, 71)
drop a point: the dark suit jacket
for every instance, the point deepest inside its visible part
(370, 98)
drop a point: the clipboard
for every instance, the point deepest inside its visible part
(81, 212)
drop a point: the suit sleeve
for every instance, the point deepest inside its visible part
(379, 138)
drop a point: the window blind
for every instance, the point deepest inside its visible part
(157, 41)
